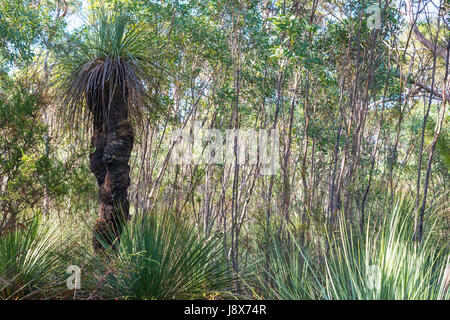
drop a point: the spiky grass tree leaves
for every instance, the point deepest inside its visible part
(382, 264)
(286, 269)
(160, 257)
(111, 53)
(30, 263)
(388, 264)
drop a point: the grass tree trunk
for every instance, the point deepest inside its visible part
(112, 142)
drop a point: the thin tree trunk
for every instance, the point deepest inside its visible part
(418, 218)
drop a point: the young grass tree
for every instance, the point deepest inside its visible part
(107, 81)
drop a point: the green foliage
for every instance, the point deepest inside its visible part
(160, 257)
(388, 264)
(384, 264)
(30, 263)
(285, 269)
(442, 145)
(27, 160)
(23, 25)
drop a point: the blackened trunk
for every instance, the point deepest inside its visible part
(112, 142)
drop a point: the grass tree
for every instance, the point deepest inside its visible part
(107, 81)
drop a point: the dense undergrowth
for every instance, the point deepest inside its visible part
(160, 256)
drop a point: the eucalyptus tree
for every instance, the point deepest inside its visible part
(107, 80)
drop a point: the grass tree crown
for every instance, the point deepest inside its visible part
(110, 54)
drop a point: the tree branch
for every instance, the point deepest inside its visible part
(427, 43)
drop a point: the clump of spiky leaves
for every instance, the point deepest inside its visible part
(30, 266)
(283, 266)
(160, 257)
(384, 263)
(388, 265)
(111, 53)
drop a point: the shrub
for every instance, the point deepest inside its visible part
(160, 257)
(30, 265)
